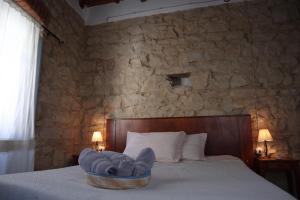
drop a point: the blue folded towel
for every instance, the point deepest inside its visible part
(144, 162)
(91, 161)
(116, 164)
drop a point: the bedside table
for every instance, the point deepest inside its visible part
(74, 160)
(288, 165)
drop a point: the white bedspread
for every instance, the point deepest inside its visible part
(216, 178)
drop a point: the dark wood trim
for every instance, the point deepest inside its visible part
(230, 135)
(91, 3)
(110, 138)
(205, 116)
(35, 8)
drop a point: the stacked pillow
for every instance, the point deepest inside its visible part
(193, 147)
(167, 146)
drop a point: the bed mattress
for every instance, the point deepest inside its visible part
(221, 177)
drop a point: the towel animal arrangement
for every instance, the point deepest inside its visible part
(114, 170)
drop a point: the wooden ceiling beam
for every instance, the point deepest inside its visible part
(91, 3)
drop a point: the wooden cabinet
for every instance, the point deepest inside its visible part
(287, 165)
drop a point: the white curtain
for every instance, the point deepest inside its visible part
(19, 37)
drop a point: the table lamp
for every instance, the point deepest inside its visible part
(97, 137)
(265, 136)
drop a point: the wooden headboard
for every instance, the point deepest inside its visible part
(227, 135)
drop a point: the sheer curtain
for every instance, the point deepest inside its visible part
(19, 37)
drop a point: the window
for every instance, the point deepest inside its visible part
(19, 37)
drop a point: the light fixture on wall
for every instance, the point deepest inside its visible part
(97, 137)
(265, 136)
(182, 79)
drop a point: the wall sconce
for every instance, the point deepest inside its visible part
(97, 137)
(265, 136)
(182, 79)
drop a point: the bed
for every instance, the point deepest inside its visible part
(225, 174)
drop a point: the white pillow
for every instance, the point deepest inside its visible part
(193, 147)
(167, 146)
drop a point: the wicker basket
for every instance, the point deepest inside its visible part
(118, 183)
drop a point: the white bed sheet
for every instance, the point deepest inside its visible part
(222, 177)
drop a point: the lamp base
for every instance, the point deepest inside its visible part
(266, 149)
(98, 147)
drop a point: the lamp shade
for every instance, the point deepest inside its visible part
(264, 135)
(97, 137)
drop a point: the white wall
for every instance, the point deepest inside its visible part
(135, 8)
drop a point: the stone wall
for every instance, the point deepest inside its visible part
(58, 119)
(243, 58)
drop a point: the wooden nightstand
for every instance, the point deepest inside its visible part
(287, 165)
(74, 160)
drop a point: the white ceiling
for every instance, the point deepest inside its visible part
(135, 8)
